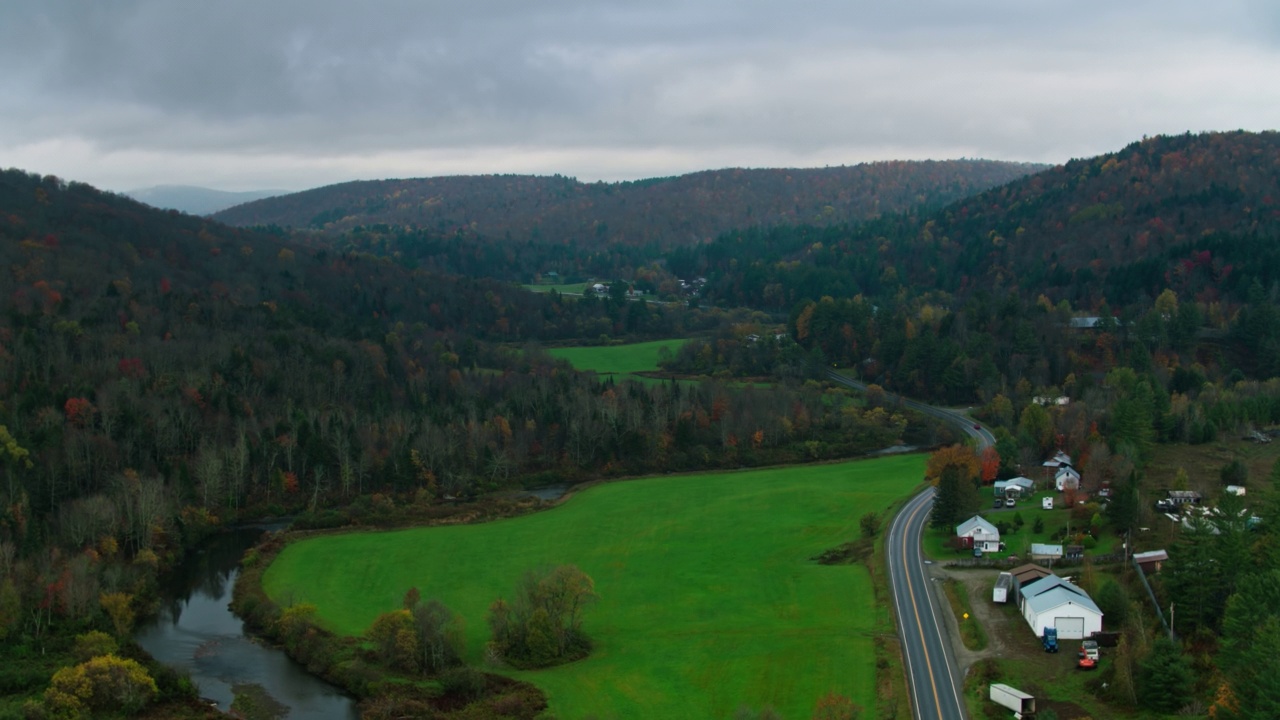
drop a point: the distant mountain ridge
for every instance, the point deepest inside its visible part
(666, 211)
(196, 200)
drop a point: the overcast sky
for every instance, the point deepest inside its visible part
(254, 94)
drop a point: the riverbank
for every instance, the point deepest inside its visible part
(346, 664)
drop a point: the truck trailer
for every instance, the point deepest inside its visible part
(1014, 699)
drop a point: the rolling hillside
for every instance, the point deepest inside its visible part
(666, 211)
(1118, 227)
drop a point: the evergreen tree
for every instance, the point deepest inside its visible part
(1231, 542)
(1164, 677)
(957, 498)
(1122, 511)
(1192, 578)
(1250, 636)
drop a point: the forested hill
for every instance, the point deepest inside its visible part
(1173, 243)
(664, 211)
(231, 368)
(1171, 211)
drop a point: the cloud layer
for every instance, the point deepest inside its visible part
(242, 94)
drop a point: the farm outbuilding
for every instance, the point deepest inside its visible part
(1045, 551)
(1151, 561)
(1056, 603)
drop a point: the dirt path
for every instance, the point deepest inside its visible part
(978, 584)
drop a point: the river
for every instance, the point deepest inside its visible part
(195, 632)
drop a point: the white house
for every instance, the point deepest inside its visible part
(1054, 602)
(1066, 479)
(985, 536)
(1014, 486)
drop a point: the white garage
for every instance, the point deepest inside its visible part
(1056, 603)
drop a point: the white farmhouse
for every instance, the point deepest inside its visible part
(985, 536)
(1066, 479)
(1054, 602)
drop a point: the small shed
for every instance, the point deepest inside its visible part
(1151, 561)
(1184, 497)
(1073, 552)
(1004, 584)
(1044, 551)
(1046, 503)
(1238, 490)
(1026, 574)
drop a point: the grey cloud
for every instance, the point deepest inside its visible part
(323, 82)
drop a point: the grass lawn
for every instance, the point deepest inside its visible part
(569, 289)
(708, 597)
(620, 359)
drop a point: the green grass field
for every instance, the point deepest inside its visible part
(708, 597)
(619, 359)
(569, 289)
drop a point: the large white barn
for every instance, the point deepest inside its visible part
(1054, 602)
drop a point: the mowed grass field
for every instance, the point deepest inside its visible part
(708, 597)
(570, 289)
(619, 359)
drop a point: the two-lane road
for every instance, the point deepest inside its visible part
(926, 649)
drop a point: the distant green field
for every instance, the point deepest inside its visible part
(571, 288)
(619, 359)
(708, 597)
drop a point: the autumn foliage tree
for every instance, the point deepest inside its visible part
(119, 608)
(990, 464)
(954, 472)
(953, 456)
(98, 687)
(394, 640)
(543, 623)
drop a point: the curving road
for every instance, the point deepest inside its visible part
(926, 649)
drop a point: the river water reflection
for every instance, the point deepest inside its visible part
(197, 633)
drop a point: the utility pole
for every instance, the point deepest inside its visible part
(1171, 637)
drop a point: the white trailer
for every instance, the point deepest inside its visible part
(1012, 698)
(1003, 584)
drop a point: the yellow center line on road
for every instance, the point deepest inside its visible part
(924, 646)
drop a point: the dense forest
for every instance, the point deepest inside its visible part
(666, 212)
